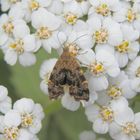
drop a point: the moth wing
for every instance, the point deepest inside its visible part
(67, 71)
(55, 88)
(79, 90)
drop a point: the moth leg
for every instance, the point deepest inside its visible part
(55, 90)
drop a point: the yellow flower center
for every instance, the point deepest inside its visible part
(34, 5)
(103, 10)
(114, 92)
(97, 68)
(11, 133)
(71, 18)
(129, 128)
(107, 114)
(27, 120)
(101, 36)
(44, 33)
(131, 15)
(8, 27)
(18, 46)
(123, 48)
(138, 72)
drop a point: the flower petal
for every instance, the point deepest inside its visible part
(100, 126)
(69, 102)
(27, 59)
(11, 57)
(12, 118)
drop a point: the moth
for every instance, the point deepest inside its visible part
(67, 72)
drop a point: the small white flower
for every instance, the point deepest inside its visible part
(22, 48)
(47, 30)
(133, 71)
(103, 8)
(71, 15)
(30, 6)
(128, 49)
(7, 4)
(100, 65)
(80, 7)
(128, 128)
(103, 116)
(129, 14)
(11, 27)
(71, 21)
(118, 87)
(13, 133)
(5, 101)
(31, 114)
(106, 31)
(9, 125)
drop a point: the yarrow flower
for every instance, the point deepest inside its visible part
(133, 71)
(100, 65)
(104, 38)
(103, 8)
(22, 47)
(119, 87)
(105, 31)
(7, 4)
(21, 122)
(5, 101)
(103, 116)
(127, 128)
(46, 30)
(11, 27)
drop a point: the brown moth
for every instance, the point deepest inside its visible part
(67, 72)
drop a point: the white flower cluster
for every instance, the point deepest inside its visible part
(104, 35)
(20, 122)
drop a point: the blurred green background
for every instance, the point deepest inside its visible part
(59, 123)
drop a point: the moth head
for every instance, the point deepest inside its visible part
(72, 49)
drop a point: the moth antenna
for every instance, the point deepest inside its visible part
(79, 38)
(66, 40)
(82, 53)
(85, 65)
(61, 44)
